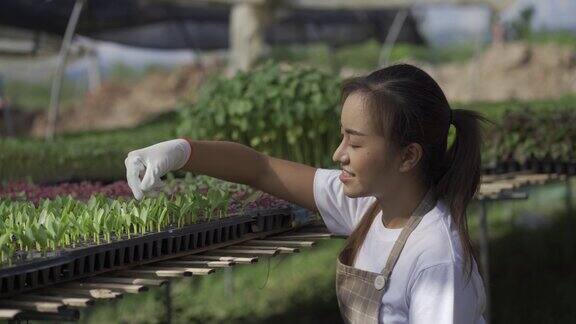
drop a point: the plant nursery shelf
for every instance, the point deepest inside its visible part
(62, 301)
(83, 262)
(510, 185)
(547, 166)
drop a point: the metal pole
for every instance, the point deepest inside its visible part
(569, 206)
(94, 79)
(485, 254)
(392, 36)
(5, 107)
(57, 80)
(475, 68)
(228, 283)
(168, 302)
(246, 35)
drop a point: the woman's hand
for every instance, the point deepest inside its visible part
(155, 161)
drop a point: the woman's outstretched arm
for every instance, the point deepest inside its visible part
(224, 160)
(238, 163)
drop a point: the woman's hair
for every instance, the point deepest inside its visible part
(407, 106)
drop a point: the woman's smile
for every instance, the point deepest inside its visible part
(346, 176)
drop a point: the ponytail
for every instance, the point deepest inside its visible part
(461, 180)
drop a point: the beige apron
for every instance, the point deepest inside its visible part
(360, 292)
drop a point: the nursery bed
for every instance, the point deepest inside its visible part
(86, 261)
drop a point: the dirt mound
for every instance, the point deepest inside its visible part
(117, 105)
(505, 71)
(510, 71)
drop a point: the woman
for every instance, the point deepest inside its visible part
(401, 196)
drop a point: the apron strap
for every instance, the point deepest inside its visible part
(427, 203)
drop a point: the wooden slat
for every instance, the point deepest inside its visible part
(496, 186)
(154, 272)
(194, 271)
(202, 264)
(534, 176)
(517, 184)
(288, 250)
(533, 179)
(43, 307)
(68, 301)
(489, 196)
(87, 292)
(488, 179)
(8, 314)
(65, 315)
(306, 236)
(132, 289)
(503, 195)
(498, 177)
(240, 251)
(208, 257)
(527, 176)
(282, 249)
(499, 187)
(490, 193)
(273, 242)
(129, 281)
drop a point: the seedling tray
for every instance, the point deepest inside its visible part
(86, 261)
(534, 165)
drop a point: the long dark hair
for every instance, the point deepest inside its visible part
(408, 106)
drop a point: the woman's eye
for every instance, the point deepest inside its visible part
(342, 135)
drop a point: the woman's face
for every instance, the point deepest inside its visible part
(373, 166)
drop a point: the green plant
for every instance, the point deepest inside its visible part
(85, 156)
(522, 25)
(287, 112)
(525, 132)
(27, 229)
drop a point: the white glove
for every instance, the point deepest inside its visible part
(155, 161)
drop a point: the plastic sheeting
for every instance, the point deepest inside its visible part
(166, 25)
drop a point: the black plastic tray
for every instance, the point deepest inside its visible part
(86, 261)
(534, 165)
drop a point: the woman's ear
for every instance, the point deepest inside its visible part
(410, 155)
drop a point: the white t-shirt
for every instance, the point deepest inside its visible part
(428, 282)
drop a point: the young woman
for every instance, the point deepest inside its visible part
(401, 196)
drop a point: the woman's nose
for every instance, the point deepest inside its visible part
(339, 155)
